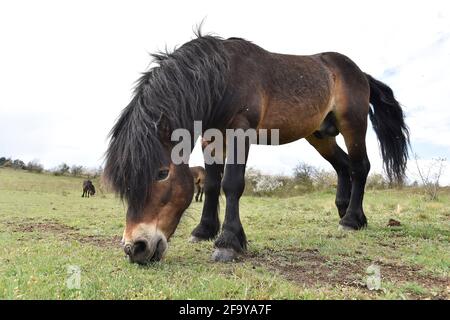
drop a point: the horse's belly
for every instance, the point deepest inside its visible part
(293, 122)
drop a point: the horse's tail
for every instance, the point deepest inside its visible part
(389, 124)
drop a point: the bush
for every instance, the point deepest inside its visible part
(61, 170)
(324, 179)
(76, 170)
(96, 173)
(5, 162)
(15, 164)
(431, 175)
(267, 184)
(18, 164)
(307, 178)
(377, 181)
(35, 166)
(260, 184)
(303, 174)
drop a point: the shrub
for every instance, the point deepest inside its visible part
(304, 173)
(5, 162)
(97, 172)
(261, 184)
(323, 179)
(19, 164)
(35, 166)
(76, 170)
(15, 164)
(61, 170)
(431, 175)
(267, 184)
(377, 181)
(306, 178)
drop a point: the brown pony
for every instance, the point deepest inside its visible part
(235, 84)
(199, 175)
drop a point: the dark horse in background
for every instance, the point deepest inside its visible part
(199, 175)
(88, 188)
(235, 84)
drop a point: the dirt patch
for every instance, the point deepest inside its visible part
(393, 223)
(99, 241)
(402, 273)
(50, 226)
(62, 231)
(311, 269)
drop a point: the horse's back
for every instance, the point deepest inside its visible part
(344, 70)
(297, 94)
(87, 183)
(292, 93)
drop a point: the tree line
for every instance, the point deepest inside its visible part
(61, 170)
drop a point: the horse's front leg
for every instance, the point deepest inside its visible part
(209, 225)
(232, 240)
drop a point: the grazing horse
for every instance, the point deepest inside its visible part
(88, 188)
(199, 174)
(235, 84)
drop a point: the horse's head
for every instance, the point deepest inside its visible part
(148, 231)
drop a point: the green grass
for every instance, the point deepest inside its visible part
(295, 248)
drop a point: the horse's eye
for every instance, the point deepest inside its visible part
(163, 174)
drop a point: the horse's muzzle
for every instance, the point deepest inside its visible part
(146, 250)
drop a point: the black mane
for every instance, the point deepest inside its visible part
(185, 86)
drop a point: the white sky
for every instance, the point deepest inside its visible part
(67, 68)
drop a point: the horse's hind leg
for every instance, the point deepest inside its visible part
(329, 149)
(353, 126)
(351, 107)
(201, 193)
(198, 193)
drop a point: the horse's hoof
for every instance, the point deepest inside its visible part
(345, 228)
(194, 239)
(224, 255)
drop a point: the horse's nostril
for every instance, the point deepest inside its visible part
(139, 247)
(127, 249)
(144, 251)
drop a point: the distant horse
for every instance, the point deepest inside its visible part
(235, 84)
(199, 174)
(88, 188)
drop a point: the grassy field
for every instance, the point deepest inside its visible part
(295, 248)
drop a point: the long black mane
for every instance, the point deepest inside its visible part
(185, 86)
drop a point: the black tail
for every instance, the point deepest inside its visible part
(389, 124)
